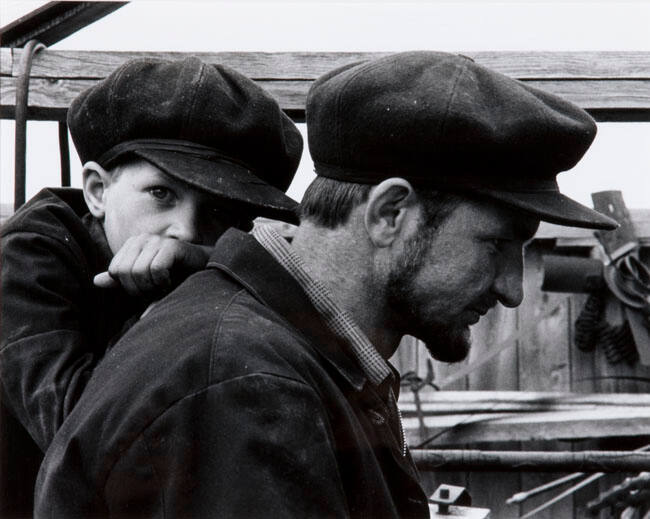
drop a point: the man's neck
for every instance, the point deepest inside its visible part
(342, 262)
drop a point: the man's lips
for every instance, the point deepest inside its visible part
(476, 312)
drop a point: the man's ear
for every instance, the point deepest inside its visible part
(95, 182)
(387, 209)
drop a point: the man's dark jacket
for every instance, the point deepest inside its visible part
(55, 326)
(230, 399)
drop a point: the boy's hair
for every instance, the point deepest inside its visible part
(122, 162)
(329, 203)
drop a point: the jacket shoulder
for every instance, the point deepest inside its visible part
(50, 212)
(251, 337)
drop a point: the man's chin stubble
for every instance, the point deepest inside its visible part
(447, 345)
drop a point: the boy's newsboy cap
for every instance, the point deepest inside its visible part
(206, 125)
(443, 121)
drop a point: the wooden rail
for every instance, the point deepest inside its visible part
(531, 461)
(611, 85)
(459, 417)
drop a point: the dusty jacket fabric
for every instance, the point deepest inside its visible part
(55, 326)
(230, 399)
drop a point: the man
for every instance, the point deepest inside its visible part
(261, 387)
(174, 153)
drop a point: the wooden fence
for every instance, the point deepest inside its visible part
(610, 85)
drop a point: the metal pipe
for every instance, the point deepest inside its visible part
(523, 496)
(64, 153)
(22, 94)
(567, 492)
(572, 274)
(520, 497)
(532, 461)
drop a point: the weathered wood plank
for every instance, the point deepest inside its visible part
(544, 354)
(53, 96)
(446, 402)
(483, 416)
(490, 331)
(605, 83)
(310, 65)
(6, 62)
(49, 99)
(509, 460)
(485, 492)
(495, 328)
(460, 429)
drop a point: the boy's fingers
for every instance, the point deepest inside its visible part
(183, 256)
(142, 272)
(104, 280)
(121, 266)
(161, 265)
(145, 263)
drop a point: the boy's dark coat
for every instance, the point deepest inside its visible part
(55, 327)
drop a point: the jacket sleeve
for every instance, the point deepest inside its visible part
(255, 446)
(45, 356)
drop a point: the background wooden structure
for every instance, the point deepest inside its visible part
(612, 86)
(539, 357)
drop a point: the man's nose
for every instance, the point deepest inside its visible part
(508, 284)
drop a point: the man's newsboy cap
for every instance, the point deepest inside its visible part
(206, 125)
(443, 121)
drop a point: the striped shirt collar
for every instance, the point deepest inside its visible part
(339, 321)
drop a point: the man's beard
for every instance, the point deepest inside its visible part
(445, 342)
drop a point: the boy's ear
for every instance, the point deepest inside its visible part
(387, 210)
(95, 182)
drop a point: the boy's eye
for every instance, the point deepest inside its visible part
(160, 193)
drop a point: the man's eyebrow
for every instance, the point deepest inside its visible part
(526, 228)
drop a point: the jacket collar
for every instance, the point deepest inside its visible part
(242, 257)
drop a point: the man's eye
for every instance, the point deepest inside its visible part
(497, 244)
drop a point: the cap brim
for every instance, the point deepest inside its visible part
(227, 180)
(554, 207)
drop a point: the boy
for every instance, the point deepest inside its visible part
(174, 153)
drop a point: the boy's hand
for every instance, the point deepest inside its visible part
(144, 264)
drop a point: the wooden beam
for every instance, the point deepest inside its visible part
(532, 461)
(609, 84)
(54, 21)
(310, 65)
(455, 402)
(461, 417)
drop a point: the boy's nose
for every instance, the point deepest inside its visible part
(185, 225)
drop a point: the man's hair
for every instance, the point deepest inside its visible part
(329, 202)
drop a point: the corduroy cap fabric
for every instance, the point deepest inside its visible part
(444, 121)
(206, 125)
